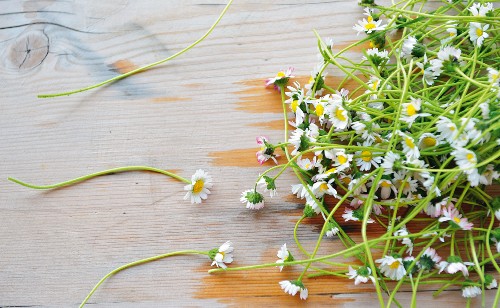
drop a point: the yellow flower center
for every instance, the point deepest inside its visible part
(429, 141)
(323, 187)
(456, 220)
(370, 25)
(411, 110)
(319, 110)
(409, 142)
(452, 34)
(395, 265)
(370, 18)
(198, 186)
(342, 159)
(479, 32)
(495, 76)
(385, 184)
(366, 156)
(346, 180)
(378, 139)
(331, 170)
(307, 166)
(375, 85)
(280, 75)
(294, 105)
(311, 79)
(371, 44)
(339, 115)
(452, 128)
(470, 157)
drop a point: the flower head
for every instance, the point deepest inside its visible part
(266, 151)
(293, 286)
(453, 265)
(429, 259)
(392, 267)
(222, 255)
(281, 78)
(478, 9)
(361, 275)
(253, 199)
(471, 291)
(369, 24)
(411, 111)
(477, 33)
(452, 215)
(284, 255)
(199, 188)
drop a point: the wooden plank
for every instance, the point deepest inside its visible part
(191, 113)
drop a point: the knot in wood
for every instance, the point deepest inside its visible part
(28, 50)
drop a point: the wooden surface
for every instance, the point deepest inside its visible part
(203, 110)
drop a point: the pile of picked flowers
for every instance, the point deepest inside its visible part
(411, 148)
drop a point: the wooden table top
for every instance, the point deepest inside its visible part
(202, 110)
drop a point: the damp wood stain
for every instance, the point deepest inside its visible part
(261, 286)
(242, 158)
(123, 66)
(169, 99)
(273, 124)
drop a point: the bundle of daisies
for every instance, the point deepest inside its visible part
(409, 150)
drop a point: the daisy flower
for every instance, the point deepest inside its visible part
(447, 129)
(222, 255)
(253, 199)
(477, 33)
(305, 164)
(451, 30)
(406, 240)
(355, 215)
(410, 149)
(411, 48)
(361, 275)
(341, 160)
(471, 291)
(453, 265)
(366, 158)
(427, 140)
(293, 286)
(490, 282)
(266, 151)
(377, 57)
(411, 111)
(321, 188)
(300, 191)
(488, 175)
(268, 184)
(301, 138)
(392, 163)
(369, 25)
(198, 189)
(452, 215)
(312, 83)
(281, 78)
(386, 187)
(332, 230)
(429, 259)
(338, 115)
(478, 9)
(404, 182)
(493, 76)
(449, 53)
(392, 267)
(284, 255)
(465, 159)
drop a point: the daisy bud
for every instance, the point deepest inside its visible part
(469, 291)
(293, 286)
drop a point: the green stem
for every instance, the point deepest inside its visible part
(104, 172)
(143, 68)
(139, 262)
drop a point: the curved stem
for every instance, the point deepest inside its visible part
(104, 172)
(143, 68)
(139, 262)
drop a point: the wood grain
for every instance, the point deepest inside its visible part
(202, 110)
